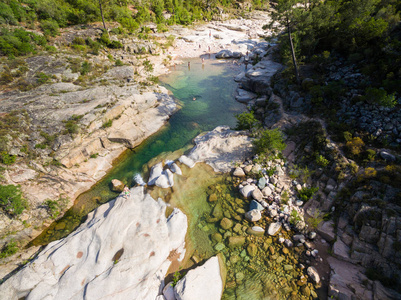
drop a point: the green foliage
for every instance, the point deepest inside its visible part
(19, 42)
(11, 201)
(42, 78)
(176, 277)
(246, 121)
(119, 63)
(49, 27)
(148, 66)
(305, 194)
(95, 155)
(322, 161)
(107, 124)
(380, 97)
(86, 67)
(71, 125)
(9, 249)
(53, 208)
(315, 220)
(6, 158)
(270, 140)
(294, 217)
(355, 146)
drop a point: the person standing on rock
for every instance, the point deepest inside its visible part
(126, 191)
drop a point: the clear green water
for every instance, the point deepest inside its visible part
(213, 87)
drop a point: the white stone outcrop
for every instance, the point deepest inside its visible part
(120, 252)
(204, 282)
(221, 148)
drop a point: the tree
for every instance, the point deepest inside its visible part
(101, 13)
(287, 14)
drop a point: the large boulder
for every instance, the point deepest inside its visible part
(127, 238)
(247, 190)
(224, 54)
(204, 282)
(221, 147)
(117, 186)
(155, 172)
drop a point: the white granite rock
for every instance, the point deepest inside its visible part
(155, 173)
(266, 191)
(204, 282)
(221, 147)
(247, 190)
(127, 238)
(239, 172)
(274, 228)
(165, 180)
(253, 215)
(186, 161)
(313, 274)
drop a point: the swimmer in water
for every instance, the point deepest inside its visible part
(193, 99)
(203, 60)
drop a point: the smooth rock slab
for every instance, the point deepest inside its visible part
(186, 161)
(127, 238)
(204, 282)
(175, 169)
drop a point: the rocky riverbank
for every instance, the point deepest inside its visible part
(76, 114)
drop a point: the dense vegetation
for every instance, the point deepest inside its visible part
(366, 32)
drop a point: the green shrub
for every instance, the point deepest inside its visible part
(322, 161)
(6, 158)
(380, 97)
(270, 140)
(72, 126)
(40, 146)
(11, 201)
(246, 121)
(53, 208)
(315, 220)
(9, 249)
(161, 27)
(78, 41)
(42, 78)
(19, 42)
(115, 45)
(50, 27)
(86, 67)
(119, 63)
(107, 124)
(148, 66)
(306, 193)
(95, 46)
(355, 146)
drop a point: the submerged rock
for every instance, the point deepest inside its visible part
(226, 223)
(236, 241)
(186, 161)
(126, 238)
(204, 282)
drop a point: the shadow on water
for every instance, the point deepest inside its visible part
(213, 87)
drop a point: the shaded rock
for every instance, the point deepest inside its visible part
(313, 274)
(253, 215)
(387, 156)
(274, 228)
(175, 169)
(255, 205)
(224, 54)
(117, 186)
(326, 230)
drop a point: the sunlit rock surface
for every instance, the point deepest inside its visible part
(221, 148)
(204, 282)
(122, 251)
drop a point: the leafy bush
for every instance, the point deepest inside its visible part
(6, 158)
(269, 141)
(246, 121)
(380, 97)
(42, 78)
(306, 193)
(119, 63)
(148, 65)
(86, 67)
(355, 146)
(7, 15)
(19, 42)
(78, 41)
(315, 220)
(11, 201)
(322, 161)
(53, 208)
(50, 27)
(9, 249)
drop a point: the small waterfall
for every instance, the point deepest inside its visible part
(138, 179)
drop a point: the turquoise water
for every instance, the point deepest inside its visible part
(213, 87)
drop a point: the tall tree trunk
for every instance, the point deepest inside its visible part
(101, 13)
(294, 61)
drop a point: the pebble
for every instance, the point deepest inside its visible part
(312, 235)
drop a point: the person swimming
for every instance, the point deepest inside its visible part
(193, 99)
